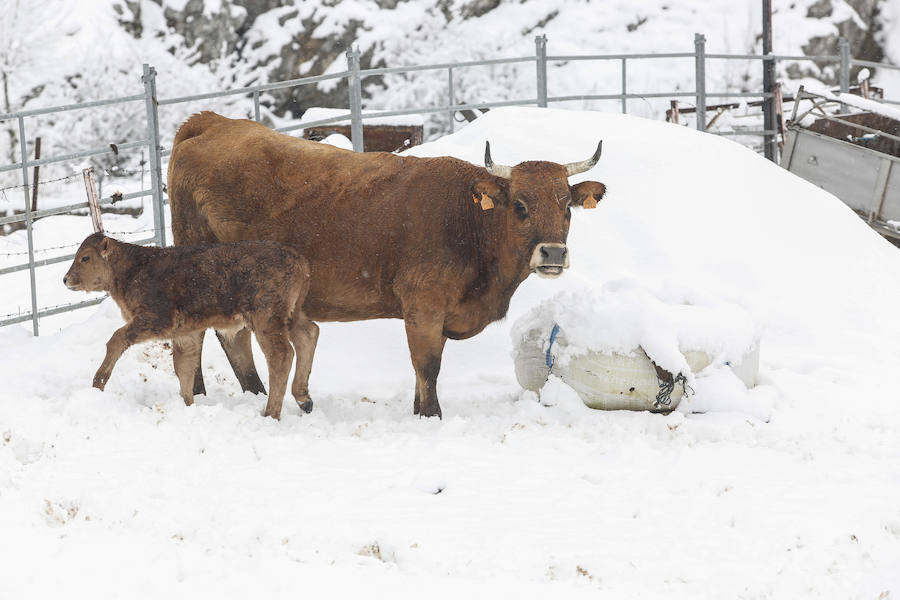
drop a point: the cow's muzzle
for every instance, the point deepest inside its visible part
(549, 260)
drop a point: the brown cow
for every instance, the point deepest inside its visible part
(386, 236)
(177, 293)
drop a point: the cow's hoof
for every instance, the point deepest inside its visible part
(306, 406)
(253, 384)
(273, 414)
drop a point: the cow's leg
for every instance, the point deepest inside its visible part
(279, 354)
(304, 335)
(424, 333)
(186, 355)
(135, 332)
(240, 356)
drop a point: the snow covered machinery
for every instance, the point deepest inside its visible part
(853, 155)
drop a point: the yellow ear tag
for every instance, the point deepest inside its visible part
(486, 202)
(590, 201)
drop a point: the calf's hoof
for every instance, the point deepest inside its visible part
(428, 411)
(100, 381)
(306, 406)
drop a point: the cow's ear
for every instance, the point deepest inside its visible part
(103, 248)
(588, 193)
(487, 193)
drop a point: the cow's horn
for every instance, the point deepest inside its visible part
(498, 170)
(581, 166)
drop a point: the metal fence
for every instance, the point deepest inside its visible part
(355, 75)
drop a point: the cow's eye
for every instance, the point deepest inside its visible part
(521, 209)
(85, 258)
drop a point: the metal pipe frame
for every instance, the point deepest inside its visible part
(28, 226)
(159, 215)
(355, 91)
(540, 52)
(700, 79)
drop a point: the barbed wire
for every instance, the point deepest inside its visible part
(50, 249)
(21, 313)
(40, 182)
(107, 231)
(112, 172)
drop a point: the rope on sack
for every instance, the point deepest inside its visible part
(667, 383)
(549, 358)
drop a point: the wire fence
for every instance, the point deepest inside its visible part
(354, 75)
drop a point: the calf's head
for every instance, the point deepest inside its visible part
(90, 270)
(537, 199)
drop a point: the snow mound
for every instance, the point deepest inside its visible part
(694, 219)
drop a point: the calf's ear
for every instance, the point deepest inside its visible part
(487, 193)
(588, 193)
(104, 247)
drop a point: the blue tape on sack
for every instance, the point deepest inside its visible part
(553, 334)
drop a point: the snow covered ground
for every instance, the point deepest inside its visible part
(791, 489)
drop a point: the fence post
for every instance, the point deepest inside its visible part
(700, 79)
(256, 106)
(540, 47)
(844, 80)
(768, 106)
(355, 90)
(624, 88)
(37, 173)
(450, 95)
(28, 225)
(159, 216)
(90, 188)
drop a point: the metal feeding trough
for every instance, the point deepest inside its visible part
(612, 381)
(856, 157)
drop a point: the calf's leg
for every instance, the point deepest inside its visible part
(273, 339)
(240, 356)
(424, 333)
(128, 335)
(304, 335)
(186, 354)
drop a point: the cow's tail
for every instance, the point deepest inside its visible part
(188, 223)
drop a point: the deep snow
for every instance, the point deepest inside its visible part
(128, 493)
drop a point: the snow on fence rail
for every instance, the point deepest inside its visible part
(354, 75)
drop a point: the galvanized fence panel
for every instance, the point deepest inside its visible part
(354, 75)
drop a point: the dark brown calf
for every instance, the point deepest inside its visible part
(177, 293)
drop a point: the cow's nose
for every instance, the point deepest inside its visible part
(553, 255)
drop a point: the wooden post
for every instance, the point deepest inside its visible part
(779, 116)
(37, 170)
(672, 113)
(93, 199)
